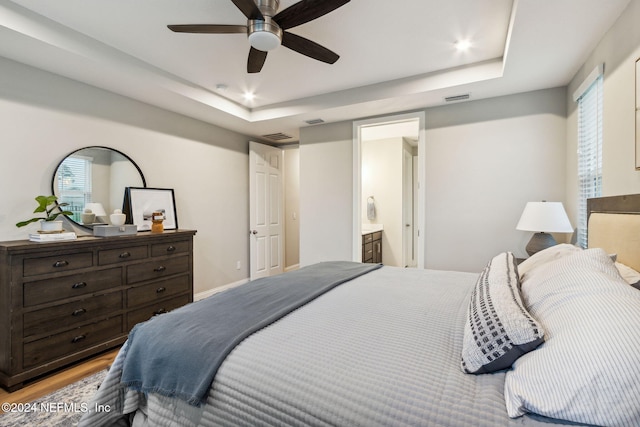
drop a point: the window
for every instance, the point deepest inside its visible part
(74, 184)
(589, 150)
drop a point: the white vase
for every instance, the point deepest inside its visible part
(50, 225)
(117, 218)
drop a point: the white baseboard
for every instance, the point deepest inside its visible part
(205, 294)
(292, 267)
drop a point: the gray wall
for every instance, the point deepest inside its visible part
(44, 117)
(484, 160)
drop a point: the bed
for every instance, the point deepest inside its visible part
(406, 347)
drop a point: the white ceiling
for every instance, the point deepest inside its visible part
(395, 56)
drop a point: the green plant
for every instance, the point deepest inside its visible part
(50, 212)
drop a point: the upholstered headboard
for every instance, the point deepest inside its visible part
(614, 225)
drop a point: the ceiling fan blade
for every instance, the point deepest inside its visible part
(305, 11)
(208, 28)
(256, 60)
(249, 8)
(308, 48)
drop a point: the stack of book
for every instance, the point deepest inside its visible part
(52, 237)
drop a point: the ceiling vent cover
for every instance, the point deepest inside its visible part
(314, 121)
(457, 98)
(277, 136)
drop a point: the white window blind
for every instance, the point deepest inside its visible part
(589, 152)
(74, 184)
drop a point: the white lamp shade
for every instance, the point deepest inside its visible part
(547, 217)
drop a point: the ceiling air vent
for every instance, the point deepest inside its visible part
(277, 136)
(314, 121)
(457, 98)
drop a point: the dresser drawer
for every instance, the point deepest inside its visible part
(155, 291)
(57, 263)
(72, 341)
(367, 238)
(145, 313)
(113, 256)
(171, 248)
(71, 314)
(157, 268)
(49, 290)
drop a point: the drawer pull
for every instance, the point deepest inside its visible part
(171, 248)
(59, 264)
(161, 290)
(79, 285)
(159, 311)
(78, 312)
(160, 269)
(78, 338)
(124, 255)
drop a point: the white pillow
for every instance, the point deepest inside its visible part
(630, 275)
(588, 369)
(545, 256)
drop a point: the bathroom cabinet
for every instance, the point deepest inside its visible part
(372, 247)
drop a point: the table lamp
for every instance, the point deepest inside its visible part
(543, 218)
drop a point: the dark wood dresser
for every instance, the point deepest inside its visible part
(63, 301)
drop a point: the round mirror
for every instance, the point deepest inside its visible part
(94, 178)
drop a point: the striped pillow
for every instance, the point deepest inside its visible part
(498, 329)
(588, 369)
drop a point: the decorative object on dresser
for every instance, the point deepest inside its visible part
(98, 210)
(117, 217)
(141, 203)
(117, 227)
(88, 217)
(543, 218)
(61, 302)
(51, 213)
(52, 236)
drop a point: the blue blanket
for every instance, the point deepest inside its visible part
(177, 354)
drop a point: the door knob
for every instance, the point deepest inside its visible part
(254, 231)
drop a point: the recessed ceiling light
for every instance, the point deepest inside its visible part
(463, 45)
(249, 96)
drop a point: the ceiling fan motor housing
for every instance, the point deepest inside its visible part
(264, 35)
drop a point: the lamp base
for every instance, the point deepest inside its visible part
(540, 241)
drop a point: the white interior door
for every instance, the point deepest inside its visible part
(407, 209)
(266, 210)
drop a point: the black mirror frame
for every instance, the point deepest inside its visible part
(53, 178)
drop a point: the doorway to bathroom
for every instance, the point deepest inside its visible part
(387, 193)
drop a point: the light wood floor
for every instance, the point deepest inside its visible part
(60, 379)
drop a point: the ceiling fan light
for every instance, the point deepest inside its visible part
(264, 40)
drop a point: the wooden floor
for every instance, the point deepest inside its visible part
(60, 379)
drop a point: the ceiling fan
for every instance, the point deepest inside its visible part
(266, 28)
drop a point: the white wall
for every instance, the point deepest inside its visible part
(618, 50)
(44, 117)
(326, 193)
(292, 206)
(484, 160)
